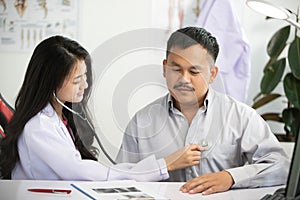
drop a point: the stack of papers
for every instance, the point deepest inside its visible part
(116, 190)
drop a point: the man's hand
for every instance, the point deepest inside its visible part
(209, 183)
(184, 157)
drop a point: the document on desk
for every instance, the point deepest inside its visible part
(120, 190)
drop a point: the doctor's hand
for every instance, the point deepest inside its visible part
(209, 183)
(184, 157)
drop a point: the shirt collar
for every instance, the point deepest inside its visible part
(170, 101)
(50, 112)
(208, 98)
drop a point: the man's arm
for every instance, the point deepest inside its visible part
(267, 163)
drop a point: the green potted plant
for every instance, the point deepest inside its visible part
(275, 73)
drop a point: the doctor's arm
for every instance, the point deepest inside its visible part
(146, 169)
(184, 157)
(129, 152)
(51, 150)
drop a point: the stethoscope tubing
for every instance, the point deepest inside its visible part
(90, 125)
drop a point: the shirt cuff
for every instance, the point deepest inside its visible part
(163, 168)
(240, 177)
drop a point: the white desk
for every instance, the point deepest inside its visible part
(15, 190)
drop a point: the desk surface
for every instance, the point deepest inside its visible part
(15, 190)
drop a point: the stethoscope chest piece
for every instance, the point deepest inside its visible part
(205, 143)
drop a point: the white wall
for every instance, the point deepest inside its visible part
(102, 20)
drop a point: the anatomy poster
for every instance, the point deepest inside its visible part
(174, 14)
(24, 23)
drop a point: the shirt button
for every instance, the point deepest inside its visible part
(189, 171)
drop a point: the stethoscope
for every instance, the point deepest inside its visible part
(84, 118)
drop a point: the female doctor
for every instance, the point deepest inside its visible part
(45, 140)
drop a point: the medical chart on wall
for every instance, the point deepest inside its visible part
(174, 14)
(24, 23)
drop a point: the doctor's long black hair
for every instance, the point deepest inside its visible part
(52, 60)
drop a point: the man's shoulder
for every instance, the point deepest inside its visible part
(229, 101)
(159, 103)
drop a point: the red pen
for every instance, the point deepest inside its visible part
(55, 191)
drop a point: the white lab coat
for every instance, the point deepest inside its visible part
(234, 60)
(46, 151)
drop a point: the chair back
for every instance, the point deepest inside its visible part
(6, 113)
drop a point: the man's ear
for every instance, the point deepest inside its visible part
(213, 73)
(164, 67)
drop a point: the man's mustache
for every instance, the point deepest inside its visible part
(183, 85)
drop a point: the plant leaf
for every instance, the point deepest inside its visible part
(264, 100)
(272, 76)
(257, 96)
(272, 117)
(278, 42)
(292, 89)
(291, 118)
(294, 57)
